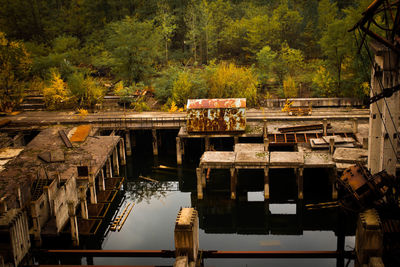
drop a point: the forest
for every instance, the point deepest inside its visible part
(73, 52)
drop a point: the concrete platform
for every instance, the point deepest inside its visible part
(240, 147)
(251, 159)
(350, 155)
(286, 159)
(218, 159)
(318, 160)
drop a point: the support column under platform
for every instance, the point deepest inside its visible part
(128, 143)
(122, 152)
(115, 161)
(178, 151)
(73, 224)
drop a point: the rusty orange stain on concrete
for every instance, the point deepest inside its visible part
(81, 133)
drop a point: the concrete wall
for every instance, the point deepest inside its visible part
(314, 102)
(67, 192)
(15, 243)
(40, 209)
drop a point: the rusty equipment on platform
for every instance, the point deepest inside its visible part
(296, 111)
(216, 115)
(363, 190)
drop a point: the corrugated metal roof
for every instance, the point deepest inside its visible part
(216, 103)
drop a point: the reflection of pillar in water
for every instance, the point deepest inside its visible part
(266, 183)
(233, 172)
(155, 142)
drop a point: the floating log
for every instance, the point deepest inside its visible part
(148, 179)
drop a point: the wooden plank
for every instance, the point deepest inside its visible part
(65, 139)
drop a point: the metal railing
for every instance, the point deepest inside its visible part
(142, 122)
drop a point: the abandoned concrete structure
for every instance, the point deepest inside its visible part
(60, 171)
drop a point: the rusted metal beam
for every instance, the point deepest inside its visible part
(111, 253)
(204, 253)
(277, 254)
(303, 128)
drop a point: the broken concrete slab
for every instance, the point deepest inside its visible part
(9, 153)
(350, 155)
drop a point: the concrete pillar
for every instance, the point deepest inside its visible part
(102, 182)
(265, 128)
(115, 161)
(109, 168)
(266, 183)
(325, 126)
(73, 223)
(128, 143)
(178, 151)
(3, 205)
(300, 182)
(37, 230)
(206, 143)
(46, 190)
(369, 237)
(384, 114)
(334, 190)
(181, 261)
(199, 183)
(92, 188)
(376, 262)
(355, 125)
(155, 142)
(186, 234)
(83, 202)
(133, 139)
(331, 145)
(122, 152)
(233, 182)
(266, 144)
(236, 139)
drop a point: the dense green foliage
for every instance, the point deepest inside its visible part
(192, 48)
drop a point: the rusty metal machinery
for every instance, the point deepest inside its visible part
(361, 190)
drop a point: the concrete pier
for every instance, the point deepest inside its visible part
(186, 235)
(115, 161)
(83, 202)
(73, 223)
(128, 143)
(122, 155)
(178, 151)
(369, 237)
(102, 183)
(109, 171)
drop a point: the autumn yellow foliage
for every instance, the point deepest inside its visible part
(56, 95)
(227, 80)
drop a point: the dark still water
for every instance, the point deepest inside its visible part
(244, 224)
